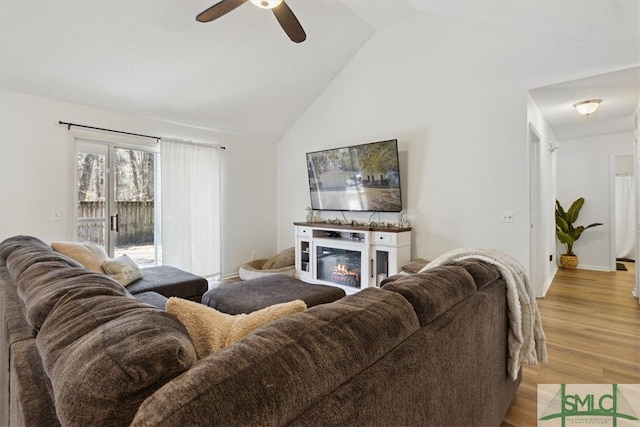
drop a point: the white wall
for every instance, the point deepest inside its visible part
(585, 169)
(36, 173)
(455, 95)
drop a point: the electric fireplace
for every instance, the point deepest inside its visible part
(340, 266)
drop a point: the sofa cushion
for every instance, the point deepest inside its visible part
(15, 243)
(434, 291)
(123, 269)
(152, 298)
(105, 354)
(13, 321)
(44, 276)
(482, 272)
(30, 395)
(86, 253)
(43, 285)
(210, 330)
(20, 252)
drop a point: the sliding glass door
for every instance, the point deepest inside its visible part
(116, 200)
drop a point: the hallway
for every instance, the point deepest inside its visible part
(592, 325)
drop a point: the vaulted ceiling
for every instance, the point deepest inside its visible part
(241, 74)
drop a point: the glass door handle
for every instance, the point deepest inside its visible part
(115, 224)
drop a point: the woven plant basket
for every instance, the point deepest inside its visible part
(570, 262)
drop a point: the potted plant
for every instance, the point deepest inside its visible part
(568, 233)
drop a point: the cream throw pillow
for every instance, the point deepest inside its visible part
(123, 269)
(86, 253)
(211, 330)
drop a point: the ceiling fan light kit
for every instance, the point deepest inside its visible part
(281, 11)
(587, 107)
(266, 4)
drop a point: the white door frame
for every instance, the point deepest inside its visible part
(535, 211)
(612, 213)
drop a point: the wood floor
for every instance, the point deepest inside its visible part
(592, 325)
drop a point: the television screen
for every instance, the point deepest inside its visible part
(359, 178)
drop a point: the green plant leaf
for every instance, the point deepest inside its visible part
(561, 224)
(595, 224)
(564, 238)
(560, 210)
(574, 210)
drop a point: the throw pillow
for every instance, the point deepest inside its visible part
(283, 259)
(211, 330)
(123, 269)
(86, 253)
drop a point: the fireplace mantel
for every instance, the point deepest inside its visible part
(351, 257)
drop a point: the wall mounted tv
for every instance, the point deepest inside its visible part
(363, 178)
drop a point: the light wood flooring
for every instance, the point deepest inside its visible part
(592, 325)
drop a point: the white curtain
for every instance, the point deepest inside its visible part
(625, 216)
(190, 194)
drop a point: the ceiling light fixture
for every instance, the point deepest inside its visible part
(587, 107)
(266, 4)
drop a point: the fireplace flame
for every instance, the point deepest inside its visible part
(342, 270)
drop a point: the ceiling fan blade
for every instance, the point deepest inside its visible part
(219, 9)
(289, 23)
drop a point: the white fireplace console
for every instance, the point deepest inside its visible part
(351, 257)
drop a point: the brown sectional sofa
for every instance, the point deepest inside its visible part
(78, 349)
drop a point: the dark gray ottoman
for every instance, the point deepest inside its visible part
(254, 294)
(170, 282)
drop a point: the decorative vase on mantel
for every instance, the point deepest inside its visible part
(310, 213)
(570, 262)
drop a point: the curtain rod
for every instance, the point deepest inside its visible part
(157, 138)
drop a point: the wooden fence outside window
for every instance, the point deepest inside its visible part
(136, 222)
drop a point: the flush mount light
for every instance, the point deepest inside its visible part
(587, 107)
(266, 4)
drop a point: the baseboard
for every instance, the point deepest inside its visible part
(593, 267)
(230, 276)
(547, 283)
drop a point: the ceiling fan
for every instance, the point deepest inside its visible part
(284, 15)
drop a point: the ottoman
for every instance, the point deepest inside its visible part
(170, 282)
(255, 294)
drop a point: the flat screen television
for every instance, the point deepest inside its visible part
(363, 178)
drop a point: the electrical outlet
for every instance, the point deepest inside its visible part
(253, 255)
(507, 216)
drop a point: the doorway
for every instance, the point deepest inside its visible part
(116, 188)
(624, 208)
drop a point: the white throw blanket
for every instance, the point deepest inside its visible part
(527, 342)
